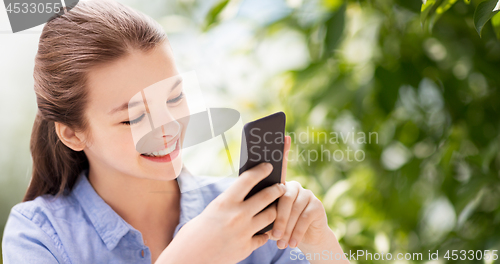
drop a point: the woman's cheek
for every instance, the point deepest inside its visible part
(118, 145)
(127, 145)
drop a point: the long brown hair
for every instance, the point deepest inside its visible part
(92, 33)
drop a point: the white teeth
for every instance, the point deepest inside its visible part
(172, 148)
(162, 152)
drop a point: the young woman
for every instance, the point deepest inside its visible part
(92, 196)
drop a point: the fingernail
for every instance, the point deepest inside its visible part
(277, 234)
(293, 243)
(281, 244)
(269, 165)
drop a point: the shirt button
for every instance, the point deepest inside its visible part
(142, 253)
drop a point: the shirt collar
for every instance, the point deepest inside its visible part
(111, 227)
(108, 224)
(192, 200)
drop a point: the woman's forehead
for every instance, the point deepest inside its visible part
(115, 83)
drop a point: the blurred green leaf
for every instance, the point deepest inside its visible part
(334, 29)
(213, 14)
(467, 1)
(425, 10)
(484, 12)
(495, 21)
(333, 5)
(434, 15)
(443, 7)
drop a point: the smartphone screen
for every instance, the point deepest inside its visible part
(264, 141)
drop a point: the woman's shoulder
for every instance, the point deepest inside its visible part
(31, 230)
(46, 205)
(44, 214)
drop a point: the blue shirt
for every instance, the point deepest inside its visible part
(82, 228)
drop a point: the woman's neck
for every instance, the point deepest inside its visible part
(150, 206)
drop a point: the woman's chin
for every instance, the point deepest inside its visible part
(164, 171)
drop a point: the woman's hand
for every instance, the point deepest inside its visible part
(224, 231)
(301, 216)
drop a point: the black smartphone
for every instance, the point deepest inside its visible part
(264, 141)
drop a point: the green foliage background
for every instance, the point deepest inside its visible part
(422, 78)
(427, 83)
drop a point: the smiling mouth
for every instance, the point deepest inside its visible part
(164, 152)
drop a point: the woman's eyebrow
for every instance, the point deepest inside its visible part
(127, 105)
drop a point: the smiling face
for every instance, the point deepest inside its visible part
(136, 116)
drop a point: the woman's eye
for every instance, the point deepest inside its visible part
(176, 99)
(135, 121)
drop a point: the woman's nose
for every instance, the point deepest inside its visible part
(170, 130)
(164, 122)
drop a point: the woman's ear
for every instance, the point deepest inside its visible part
(70, 137)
